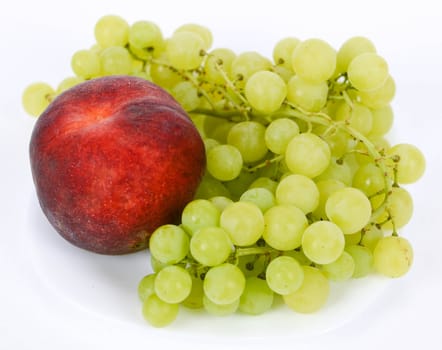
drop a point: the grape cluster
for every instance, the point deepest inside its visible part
(302, 187)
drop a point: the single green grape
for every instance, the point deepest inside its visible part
(313, 293)
(173, 284)
(202, 31)
(256, 298)
(307, 154)
(351, 48)
(284, 275)
(341, 269)
(283, 50)
(220, 309)
(323, 242)
(363, 259)
(184, 50)
(298, 190)
(265, 91)
(411, 163)
(198, 214)
(146, 286)
(309, 96)
(224, 284)
(158, 312)
(314, 60)
(169, 244)
(36, 98)
(262, 197)
(145, 35)
(248, 137)
(349, 208)
(393, 256)
(111, 30)
(224, 162)
(279, 133)
(368, 71)
(284, 227)
(115, 60)
(86, 64)
(244, 222)
(210, 246)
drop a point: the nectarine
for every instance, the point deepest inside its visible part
(112, 159)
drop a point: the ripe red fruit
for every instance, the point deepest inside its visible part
(112, 159)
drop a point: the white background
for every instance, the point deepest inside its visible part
(44, 302)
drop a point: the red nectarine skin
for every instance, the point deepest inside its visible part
(112, 159)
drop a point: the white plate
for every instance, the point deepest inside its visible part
(107, 285)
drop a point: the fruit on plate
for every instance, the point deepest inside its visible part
(112, 159)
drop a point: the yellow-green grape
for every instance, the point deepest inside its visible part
(283, 50)
(162, 75)
(221, 202)
(199, 214)
(313, 293)
(262, 197)
(111, 30)
(371, 236)
(217, 60)
(284, 226)
(349, 208)
(411, 163)
(339, 141)
(248, 63)
(210, 187)
(325, 188)
(115, 60)
(184, 50)
(307, 154)
(337, 170)
(67, 83)
(86, 64)
(309, 96)
(393, 256)
(382, 120)
(369, 179)
(314, 60)
(187, 95)
(224, 284)
(158, 312)
(284, 275)
(399, 209)
(224, 162)
(358, 116)
(195, 299)
(36, 97)
(210, 246)
(363, 258)
(146, 286)
(298, 190)
(248, 137)
(323, 242)
(341, 269)
(169, 244)
(264, 182)
(279, 133)
(380, 97)
(146, 36)
(244, 222)
(173, 284)
(350, 49)
(200, 30)
(220, 309)
(256, 298)
(265, 91)
(368, 71)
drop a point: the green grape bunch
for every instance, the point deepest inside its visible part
(302, 187)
